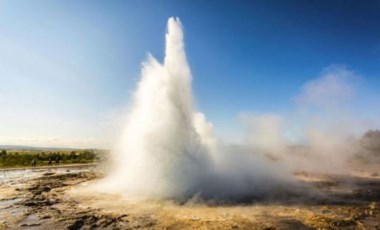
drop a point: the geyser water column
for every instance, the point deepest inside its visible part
(168, 149)
(161, 154)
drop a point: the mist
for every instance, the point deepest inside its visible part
(168, 149)
(323, 131)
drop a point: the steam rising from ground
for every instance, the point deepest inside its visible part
(322, 132)
(169, 150)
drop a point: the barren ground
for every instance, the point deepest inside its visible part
(49, 199)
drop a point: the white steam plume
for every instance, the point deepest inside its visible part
(168, 149)
(323, 131)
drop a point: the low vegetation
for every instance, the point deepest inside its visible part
(25, 158)
(371, 141)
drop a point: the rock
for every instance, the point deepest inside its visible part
(46, 189)
(76, 225)
(45, 217)
(30, 203)
(30, 225)
(372, 206)
(48, 174)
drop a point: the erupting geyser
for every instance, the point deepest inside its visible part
(168, 149)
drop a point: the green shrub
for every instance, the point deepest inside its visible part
(24, 158)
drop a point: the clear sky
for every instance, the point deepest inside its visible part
(67, 68)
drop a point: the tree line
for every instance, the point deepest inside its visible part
(25, 158)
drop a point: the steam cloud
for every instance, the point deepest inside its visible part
(321, 134)
(169, 150)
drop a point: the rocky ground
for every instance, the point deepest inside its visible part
(52, 199)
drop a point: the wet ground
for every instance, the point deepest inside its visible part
(54, 199)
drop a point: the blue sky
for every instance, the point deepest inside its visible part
(67, 68)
